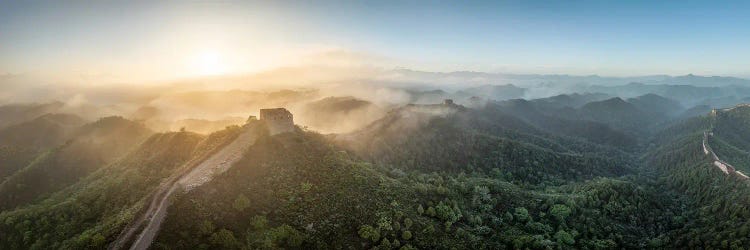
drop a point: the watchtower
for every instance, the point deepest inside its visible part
(278, 120)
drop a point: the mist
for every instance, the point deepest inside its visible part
(339, 95)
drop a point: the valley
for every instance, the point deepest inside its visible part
(374, 125)
(558, 172)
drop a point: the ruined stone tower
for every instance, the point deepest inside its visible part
(278, 120)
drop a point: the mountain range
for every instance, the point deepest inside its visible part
(590, 170)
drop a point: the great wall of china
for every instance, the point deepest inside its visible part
(141, 232)
(725, 167)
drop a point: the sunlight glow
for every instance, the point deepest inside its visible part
(209, 63)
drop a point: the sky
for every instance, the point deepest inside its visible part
(111, 41)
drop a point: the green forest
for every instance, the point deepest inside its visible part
(486, 178)
(374, 125)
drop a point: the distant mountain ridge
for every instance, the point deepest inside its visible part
(45, 131)
(570, 171)
(87, 148)
(17, 113)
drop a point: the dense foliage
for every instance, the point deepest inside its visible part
(297, 191)
(512, 175)
(90, 147)
(92, 212)
(719, 214)
(13, 159)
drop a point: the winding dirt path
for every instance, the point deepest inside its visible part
(150, 222)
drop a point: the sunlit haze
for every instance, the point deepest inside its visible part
(382, 125)
(82, 41)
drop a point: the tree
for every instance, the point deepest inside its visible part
(385, 244)
(258, 222)
(241, 203)
(206, 227)
(431, 212)
(406, 235)
(224, 238)
(286, 234)
(384, 223)
(560, 212)
(521, 214)
(98, 241)
(407, 223)
(407, 247)
(305, 187)
(507, 216)
(564, 238)
(369, 232)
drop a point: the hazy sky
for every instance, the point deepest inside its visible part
(144, 41)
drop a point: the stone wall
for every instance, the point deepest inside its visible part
(278, 120)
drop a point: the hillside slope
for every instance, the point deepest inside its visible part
(46, 131)
(92, 212)
(438, 176)
(299, 191)
(17, 113)
(719, 202)
(90, 147)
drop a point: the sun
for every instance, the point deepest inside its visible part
(208, 63)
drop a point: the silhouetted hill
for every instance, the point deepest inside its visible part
(12, 159)
(46, 131)
(428, 96)
(93, 211)
(493, 92)
(564, 120)
(145, 113)
(17, 113)
(686, 95)
(338, 114)
(574, 100)
(89, 148)
(111, 136)
(733, 126)
(657, 105)
(445, 138)
(395, 124)
(712, 81)
(695, 111)
(618, 113)
(338, 104)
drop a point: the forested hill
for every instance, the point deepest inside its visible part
(718, 204)
(92, 212)
(727, 136)
(297, 190)
(454, 139)
(439, 176)
(87, 149)
(423, 185)
(43, 132)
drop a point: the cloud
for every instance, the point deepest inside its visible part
(346, 58)
(77, 101)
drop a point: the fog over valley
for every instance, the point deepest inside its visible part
(382, 125)
(338, 102)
